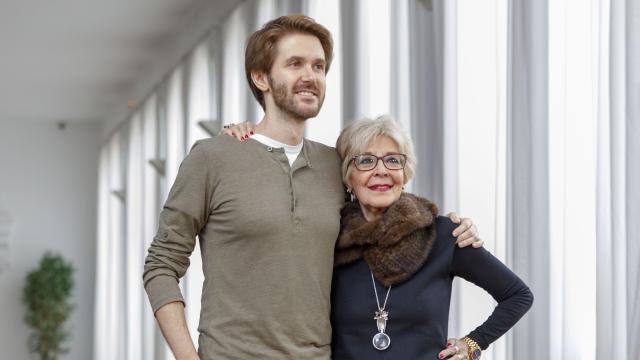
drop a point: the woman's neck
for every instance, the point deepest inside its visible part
(371, 213)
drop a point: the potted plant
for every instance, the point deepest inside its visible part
(46, 297)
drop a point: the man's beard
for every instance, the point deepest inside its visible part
(286, 102)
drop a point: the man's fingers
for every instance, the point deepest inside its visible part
(454, 217)
(469, 237)
(460, 229)
(478, 244)
(468, 233)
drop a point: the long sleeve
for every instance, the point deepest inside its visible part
(183, 216)
(513, 296)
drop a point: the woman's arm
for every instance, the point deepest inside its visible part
(513, 296)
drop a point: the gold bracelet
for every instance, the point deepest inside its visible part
(473, 350)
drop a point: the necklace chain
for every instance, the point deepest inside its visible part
(375, 290)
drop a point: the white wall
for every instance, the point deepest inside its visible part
(48, 183)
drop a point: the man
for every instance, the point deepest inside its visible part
(267, 213)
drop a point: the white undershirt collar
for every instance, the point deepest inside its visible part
(292, 151)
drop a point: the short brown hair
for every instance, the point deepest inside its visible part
(261, 46)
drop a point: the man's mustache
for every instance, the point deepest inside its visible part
(308, 87)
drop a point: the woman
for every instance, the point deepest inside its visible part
(395, 260)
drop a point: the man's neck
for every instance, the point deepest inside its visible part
(281, 128)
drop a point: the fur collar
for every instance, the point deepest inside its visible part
(394, 246)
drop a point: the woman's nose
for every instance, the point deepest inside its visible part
(380, 169)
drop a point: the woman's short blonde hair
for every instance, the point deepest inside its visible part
(356, 137)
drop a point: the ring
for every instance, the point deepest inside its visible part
(456, 348)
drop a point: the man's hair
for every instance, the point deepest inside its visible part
(261, 46)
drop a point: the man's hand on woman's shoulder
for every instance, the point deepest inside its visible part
(466, 233)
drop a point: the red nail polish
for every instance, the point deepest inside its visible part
(251, 133)
(441, 356)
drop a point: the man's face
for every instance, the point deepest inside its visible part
(297, 77)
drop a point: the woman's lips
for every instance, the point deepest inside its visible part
(380, 187)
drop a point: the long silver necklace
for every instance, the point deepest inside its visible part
(381, 341)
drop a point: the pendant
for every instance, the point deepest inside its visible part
(381, 341)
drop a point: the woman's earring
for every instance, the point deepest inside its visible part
(351, 196)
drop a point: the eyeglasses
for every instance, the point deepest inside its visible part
(365, 162)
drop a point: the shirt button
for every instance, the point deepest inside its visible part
(269, 149)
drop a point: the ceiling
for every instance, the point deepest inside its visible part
(86, 60)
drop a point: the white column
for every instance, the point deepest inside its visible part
(150, 213)
(133, 249)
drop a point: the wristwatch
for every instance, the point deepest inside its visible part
(474, 351)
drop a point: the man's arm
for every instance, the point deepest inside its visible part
(182, 218)
(173, 325)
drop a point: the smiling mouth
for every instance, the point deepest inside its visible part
(380, 188)
(307, 92)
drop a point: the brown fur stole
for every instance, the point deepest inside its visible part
(394, 246)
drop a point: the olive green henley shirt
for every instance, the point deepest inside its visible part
(267, 232)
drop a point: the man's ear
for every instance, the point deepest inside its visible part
(260, 79)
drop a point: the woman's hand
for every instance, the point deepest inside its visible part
(466, 233)
(456, 349)
(240, 131)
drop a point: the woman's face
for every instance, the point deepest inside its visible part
(380, 187)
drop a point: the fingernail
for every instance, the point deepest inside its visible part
(441, 356)
(251, 133)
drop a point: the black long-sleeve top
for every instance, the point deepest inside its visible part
(419, 308)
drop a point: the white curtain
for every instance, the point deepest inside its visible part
(618, 179)
(632, 165)
(527, 153)
(572, 67)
